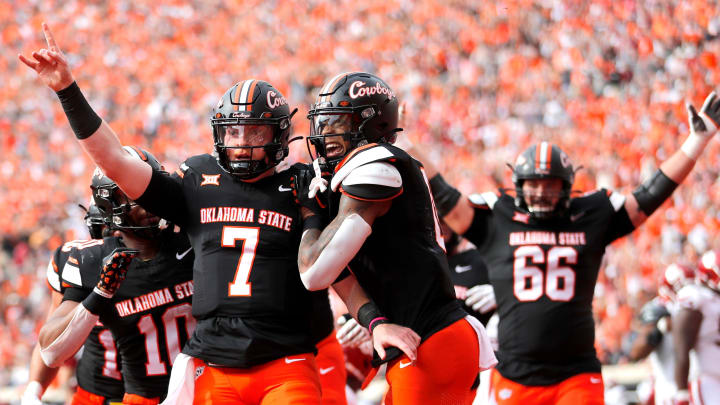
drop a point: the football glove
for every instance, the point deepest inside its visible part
(481, 298)
(114, 269)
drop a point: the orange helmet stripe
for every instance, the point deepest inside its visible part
(331, 85)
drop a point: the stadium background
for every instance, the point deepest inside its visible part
(606, 80)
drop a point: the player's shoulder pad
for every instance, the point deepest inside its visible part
(484, 200)
(85, 262)
(373, 181)
(199, 163)
(52, 273)
(359, 157)
(653, 311)
(693, 296)
(615, 199)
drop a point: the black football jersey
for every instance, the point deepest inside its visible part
(544, 275)
(150, 314)
(249, 300)
(98, 370)
(402, 265)
(467, 269)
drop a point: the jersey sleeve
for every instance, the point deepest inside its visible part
(53, 270)
(165, 197)
(620, 223)
(481, 228)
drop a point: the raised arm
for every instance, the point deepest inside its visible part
(95, 135)
(654, 191)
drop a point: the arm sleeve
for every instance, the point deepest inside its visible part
(480, 230)
(165, 198)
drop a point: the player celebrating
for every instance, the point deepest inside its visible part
(544, 250)
(148, 314)
(102, 381)
(253, 342)
(695, 326)
(385, 218)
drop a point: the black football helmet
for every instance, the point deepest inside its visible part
(115, 206)
(368, 101)
(252, 102)
(93, 220)
(543, 161)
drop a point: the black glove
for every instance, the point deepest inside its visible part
(707, 121)
(115, 267)
(311, 191)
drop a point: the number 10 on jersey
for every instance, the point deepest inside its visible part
(241, 285)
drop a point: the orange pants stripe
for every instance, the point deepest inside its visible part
(445, 371)
(330, 362)
(82, 397)
(288, 380)
(134, 399)
(585, 388)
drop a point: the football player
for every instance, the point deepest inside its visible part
(254, 341)
(102, 384)
(383, 217)
(148, 313)
(654, 337)
(544, 249)
(695, 327)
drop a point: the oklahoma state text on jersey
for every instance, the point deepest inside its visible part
(544, 276)
(249, 301)
(150, 314)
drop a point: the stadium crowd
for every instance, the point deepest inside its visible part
(606, 80)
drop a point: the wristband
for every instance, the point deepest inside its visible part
(446, 196)
(83, 119)
(654, 191)
(368, 313)
(313, 222)
(377, 321)
(96, 301)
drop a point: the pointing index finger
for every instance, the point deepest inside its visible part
(49, 38)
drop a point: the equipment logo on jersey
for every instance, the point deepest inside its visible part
(199, 371)
(520, 217)
(210, 180)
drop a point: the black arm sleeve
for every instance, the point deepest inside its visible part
(165, 198)
(75, 294)
(481, 228)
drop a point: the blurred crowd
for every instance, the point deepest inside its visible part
(606, 80)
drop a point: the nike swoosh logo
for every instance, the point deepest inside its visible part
(403, 365)
(577, 216)
(283, 189)
(595, 380)
(179, 256)
(288, 360)
(462, 269)
(324, 371)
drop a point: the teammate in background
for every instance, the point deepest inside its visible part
(148, 313)
(99, 349)
(544, 250)
(695, 327)
(252, 343)
(383, 216)
(654, 337)
(469, 275)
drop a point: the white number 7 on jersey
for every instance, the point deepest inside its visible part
(241, 287)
